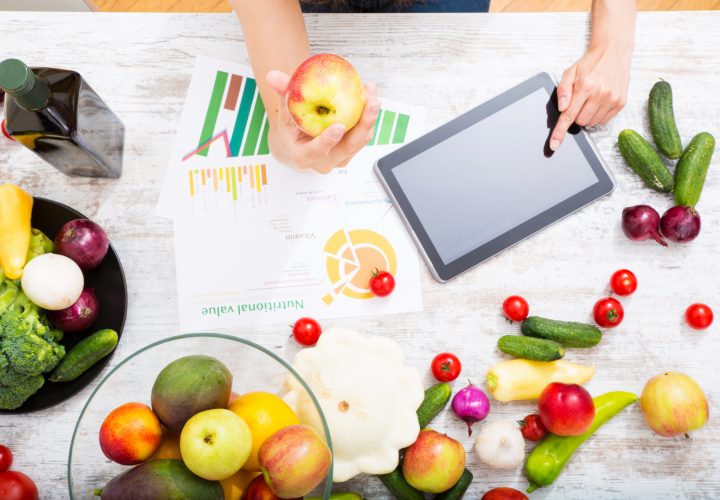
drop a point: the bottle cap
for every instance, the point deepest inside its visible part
(16, 78)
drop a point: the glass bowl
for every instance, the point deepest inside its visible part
(254, 368)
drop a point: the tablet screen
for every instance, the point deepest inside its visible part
(492, 176)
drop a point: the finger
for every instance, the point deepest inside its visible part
(565, 88)
(610, 115)
(361, 133)
(602, 110)
(278, 81)
(323, 144)
(588, 110)
(567, 118)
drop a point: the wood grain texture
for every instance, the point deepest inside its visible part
(561, 271)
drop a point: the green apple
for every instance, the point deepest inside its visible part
(434, 462)
(325, 89)
(215, 444)
(673, 404)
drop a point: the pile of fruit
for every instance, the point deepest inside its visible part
(42, 297)
(199, 440)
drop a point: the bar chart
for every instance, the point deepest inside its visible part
(223, 184)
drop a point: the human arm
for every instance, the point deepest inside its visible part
(594, 89)
(277, 43)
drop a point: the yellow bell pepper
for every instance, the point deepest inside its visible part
(15, 231)
(522, 379)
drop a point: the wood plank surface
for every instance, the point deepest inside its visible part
(141, 65)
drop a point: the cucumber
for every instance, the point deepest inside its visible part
(340, 496)
(644, 160)
(565, 333)
(397, 485)
(86, 353)
(530, 348)
(662, 120)
(692, 168)
(457, 491)
(436, 398)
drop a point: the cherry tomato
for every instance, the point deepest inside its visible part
(608, 312)
(15, 485)
(516, 308)
(6, 458)
(623, 282)
(532, 428)
(446, 367)
(382, 283)
(306, 331)
(699, 316)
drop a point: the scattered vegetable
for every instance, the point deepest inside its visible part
(6, 458)
(471, 405)
(436, 399)
(399, 488)
(524, 379)
(84, 355)
(662, 120)
(516, 308)
(368, 395)
(83, 241)
(52, 281)
(15, 232)
(504, 493)
(623, 282)
(566, 333)
(692, 168)
(566, 409)
(608, 312)
(532, 427)
(644, 160)
(680, 224)
(382, 283)
(548, 459)
(642, 222)
(500, 445)
(699, 316)
(673, 404)
(457, 491)
(15, 485)
(446, 367)
(530, 348)
(79, 316)
(306, 331)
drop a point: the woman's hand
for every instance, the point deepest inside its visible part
(335, 147)
(592, 90)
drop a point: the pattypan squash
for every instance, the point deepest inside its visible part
(368, 396)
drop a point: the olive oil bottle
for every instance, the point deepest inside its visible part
(57, 115)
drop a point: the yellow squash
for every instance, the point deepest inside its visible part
(522, 379)
(15, 232)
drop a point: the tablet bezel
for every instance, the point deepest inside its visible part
(444, 272)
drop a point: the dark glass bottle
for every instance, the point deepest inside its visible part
(57, 115)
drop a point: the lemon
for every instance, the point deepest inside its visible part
(265, 414)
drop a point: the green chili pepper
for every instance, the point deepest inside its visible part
(548, 459)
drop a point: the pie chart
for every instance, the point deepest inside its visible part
(351, 258)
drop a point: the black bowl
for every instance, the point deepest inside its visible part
(108, 281)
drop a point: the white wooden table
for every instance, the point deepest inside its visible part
(141, 65)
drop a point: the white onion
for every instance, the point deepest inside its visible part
(52, 281)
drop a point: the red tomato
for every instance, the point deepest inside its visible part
(532, 428)
(608, 312)
(623, 282)
(306, 331)
(6, 458)
(446, 367)
(15, 485)
(699, 316)
(516, 308)
(382, 283)
(504, 493)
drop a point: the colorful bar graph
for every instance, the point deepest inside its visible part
(213, 110)
(390, 128)
(233, 92)
(255, 176)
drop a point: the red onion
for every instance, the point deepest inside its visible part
(680, 224)
(78, 316)
(471, 405)
(84, 242)
(642, 222)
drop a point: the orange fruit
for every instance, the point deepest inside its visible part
(234, 486)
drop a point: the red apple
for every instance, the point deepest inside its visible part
(566, 409)
(130, 434)
(258, 489)
(325, 89)
(294, 461)
(504, 493)
(434, 462)
(673, 404)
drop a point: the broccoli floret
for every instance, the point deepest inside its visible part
(12, 397)
(8, 293)
(39, 245)
(24, 346)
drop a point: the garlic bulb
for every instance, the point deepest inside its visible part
(500, 445)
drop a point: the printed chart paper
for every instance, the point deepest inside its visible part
(259, 242)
